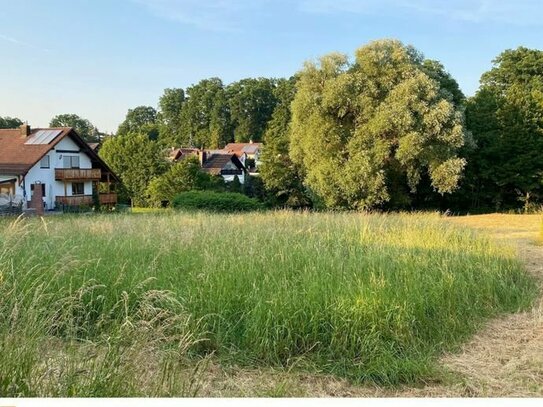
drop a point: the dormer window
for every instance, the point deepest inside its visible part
(45, 162)
(71, 161)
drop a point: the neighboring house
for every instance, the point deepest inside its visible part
(58, 160)
(248, 153)
(177, 154)
(228, 166)
(214, 162)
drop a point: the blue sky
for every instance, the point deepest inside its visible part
(98, 58)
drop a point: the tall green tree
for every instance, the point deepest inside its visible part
(136, 160)
(251, 102)
(281, 177)
(169, 116)
(364, 132)
(143, 120)
(10, 122)
(205, 115)
(83, 127)
(506, 119)
(435, 70)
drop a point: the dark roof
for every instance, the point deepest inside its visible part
(216, 162)
(179, 153)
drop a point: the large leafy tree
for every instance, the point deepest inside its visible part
(169, 115)
(136, 160)
(506, 119)
(9, 122)
(365, 132)
(83, 127)
(251, 102)
(279, 174)
(205, 115)
(143, 120)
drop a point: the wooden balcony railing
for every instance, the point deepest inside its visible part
(108, 199)
(79, 200)
(78, 174)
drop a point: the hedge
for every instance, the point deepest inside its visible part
(215, 201)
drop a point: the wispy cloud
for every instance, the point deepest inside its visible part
(231, 15)
(520, 12)
(212, 15)
(15, 41)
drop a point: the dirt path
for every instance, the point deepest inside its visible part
(504, 359)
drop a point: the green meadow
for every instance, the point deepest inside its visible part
(138, 304)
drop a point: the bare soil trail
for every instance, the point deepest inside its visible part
(505, 359)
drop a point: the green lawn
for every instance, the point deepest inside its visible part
(134, 304)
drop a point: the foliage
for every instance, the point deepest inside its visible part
(506, 119)
(184, 175)
(205, 117)
(142, 120)
(215, 201)
(359, 128)
(10, 122)
(83, 127)
(251, 103)
(368, 297)
(280, 175)
(169, 116)
(136, 160)
(235, 185)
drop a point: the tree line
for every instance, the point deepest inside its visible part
(386, 129)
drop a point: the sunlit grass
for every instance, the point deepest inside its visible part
(125, 305)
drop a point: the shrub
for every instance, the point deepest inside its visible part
(215, 201)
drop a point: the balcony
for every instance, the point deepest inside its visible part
(80, 200)
(78, 174)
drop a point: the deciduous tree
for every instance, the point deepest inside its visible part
(364, 131)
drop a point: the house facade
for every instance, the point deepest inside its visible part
(248, 153)
(58, 162)
(226, 165)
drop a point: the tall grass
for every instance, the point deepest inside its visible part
(127, 304)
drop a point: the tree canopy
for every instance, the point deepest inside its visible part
(280, 175)
(205, 116)
(506, 119)
(251, 103)
(83, 127)
(358, 128)
(136, 160)
(10, 122)
(169, 115)
(141, 119)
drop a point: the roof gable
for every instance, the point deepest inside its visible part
(18, 156)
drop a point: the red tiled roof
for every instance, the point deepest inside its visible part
(16, 157)
(240, 148)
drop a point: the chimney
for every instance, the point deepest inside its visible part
(25, 130)
(202, 157)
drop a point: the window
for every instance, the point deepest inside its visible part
(42, 189)
(78, 188)
(44, 163)
(7, 187)
(71, 161)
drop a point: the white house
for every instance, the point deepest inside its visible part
(248, 153)
(58, 161)
(228, 166)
